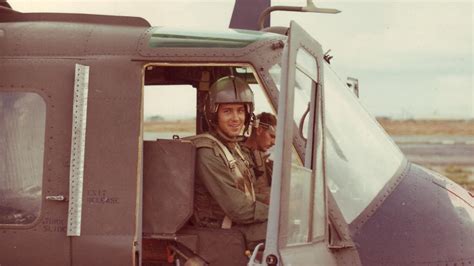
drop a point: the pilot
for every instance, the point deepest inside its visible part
(224, 185)
(256, 146)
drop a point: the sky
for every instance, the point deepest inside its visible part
(413, 59)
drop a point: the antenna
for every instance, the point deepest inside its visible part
(327, 57)
(310, 7)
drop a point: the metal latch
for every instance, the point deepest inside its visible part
(56, 198)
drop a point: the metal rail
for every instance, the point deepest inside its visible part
(78, 141)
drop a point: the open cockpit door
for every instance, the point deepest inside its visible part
(298, 215)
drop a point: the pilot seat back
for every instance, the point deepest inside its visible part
(168, 185)
(168, 194)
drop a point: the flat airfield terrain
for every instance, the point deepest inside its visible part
(446, 146)
(428, 127)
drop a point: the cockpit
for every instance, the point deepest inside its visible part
(173, 109)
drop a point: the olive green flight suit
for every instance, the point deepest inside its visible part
(220, 193)
(262, 167)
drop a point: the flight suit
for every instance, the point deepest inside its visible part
(262, 167)
(221, 195)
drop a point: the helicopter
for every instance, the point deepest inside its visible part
(84, 183)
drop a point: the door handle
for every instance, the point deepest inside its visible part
(56, 198)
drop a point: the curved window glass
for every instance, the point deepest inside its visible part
(301, 213)
(299, 204)
(22, 133)
(360, 157)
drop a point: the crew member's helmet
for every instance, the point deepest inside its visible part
(229, 89)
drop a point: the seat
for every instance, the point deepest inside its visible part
(168, 185)
(168, 194)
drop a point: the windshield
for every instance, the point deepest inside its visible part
(360, 157)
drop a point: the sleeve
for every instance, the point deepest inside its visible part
(269, 168)
(263, 195)
(219, 181)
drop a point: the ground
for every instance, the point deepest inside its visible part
(428, 127)
(167, 126)
(462, 174)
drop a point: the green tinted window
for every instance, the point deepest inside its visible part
(168, 37)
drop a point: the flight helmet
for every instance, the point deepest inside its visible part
(229, 89)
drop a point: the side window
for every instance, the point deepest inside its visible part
(169, 110)
(174, 98)
(262, 104)
(301, 176)
(22, 137)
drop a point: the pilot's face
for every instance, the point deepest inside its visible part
(231, 119)
(265, 139)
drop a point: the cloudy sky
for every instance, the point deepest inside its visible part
(414, 59)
